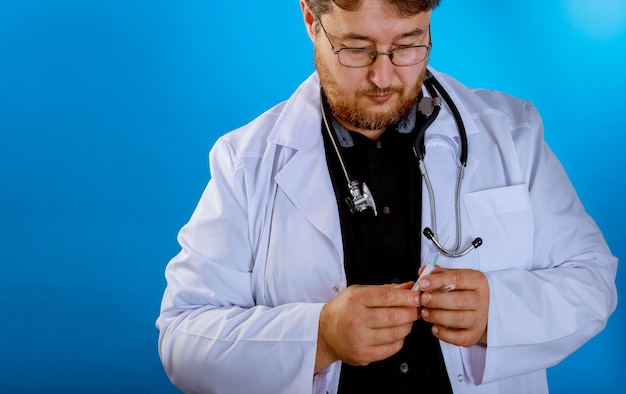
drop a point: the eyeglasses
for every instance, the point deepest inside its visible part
(364, 57)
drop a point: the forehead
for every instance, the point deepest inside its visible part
(374, 20)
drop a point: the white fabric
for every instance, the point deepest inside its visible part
(262, 253)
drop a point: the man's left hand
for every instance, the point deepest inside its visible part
(459, 316)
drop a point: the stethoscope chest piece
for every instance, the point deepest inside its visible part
(361, 199)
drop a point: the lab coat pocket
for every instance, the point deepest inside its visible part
(502, 217)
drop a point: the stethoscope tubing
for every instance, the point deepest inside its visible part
(433, 86)
(361, 198)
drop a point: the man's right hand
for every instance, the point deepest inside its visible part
(364, 324)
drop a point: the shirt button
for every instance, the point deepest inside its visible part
(404, 367)
(379, 144)
(386, 210)
(460, 377)
(336, 289)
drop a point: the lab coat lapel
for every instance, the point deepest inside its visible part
(306, 182)
(304, 176)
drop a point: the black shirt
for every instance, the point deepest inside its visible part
(385, 249)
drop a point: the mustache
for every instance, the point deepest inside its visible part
(376, 91)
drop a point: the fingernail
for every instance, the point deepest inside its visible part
(425, 313)
(418, 300)
(435, 330)
(425, 298)
(424, 283)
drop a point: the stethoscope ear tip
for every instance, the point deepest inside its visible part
(428, 233)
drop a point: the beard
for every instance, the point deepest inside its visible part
(348, 109)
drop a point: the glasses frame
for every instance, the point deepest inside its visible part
(374, 53)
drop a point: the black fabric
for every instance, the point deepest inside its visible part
(385, 249)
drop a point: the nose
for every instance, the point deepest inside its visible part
(382, 71)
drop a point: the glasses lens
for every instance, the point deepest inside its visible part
(409, 56)
(355, 57)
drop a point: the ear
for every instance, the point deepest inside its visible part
(309, 19)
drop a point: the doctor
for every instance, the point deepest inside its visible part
(285, 284)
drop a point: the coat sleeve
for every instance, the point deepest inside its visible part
(214, 337)
(538, 317)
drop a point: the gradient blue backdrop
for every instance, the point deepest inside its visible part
(107, 112)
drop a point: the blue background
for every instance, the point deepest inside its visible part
(107, 112)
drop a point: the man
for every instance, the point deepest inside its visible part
(283, 287)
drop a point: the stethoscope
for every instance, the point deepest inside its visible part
(361, 199)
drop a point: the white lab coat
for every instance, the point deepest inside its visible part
(262, 253)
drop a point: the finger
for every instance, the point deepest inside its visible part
(407, 285)
(452, 319)
(388, 296)
(386, 336)
(446, 289)
(460, 279)
(375, 353)
(458, 337)
(454, 300)
(436, 270)
(459, 328)
(391, 317)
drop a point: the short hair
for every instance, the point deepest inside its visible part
(406, 8)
